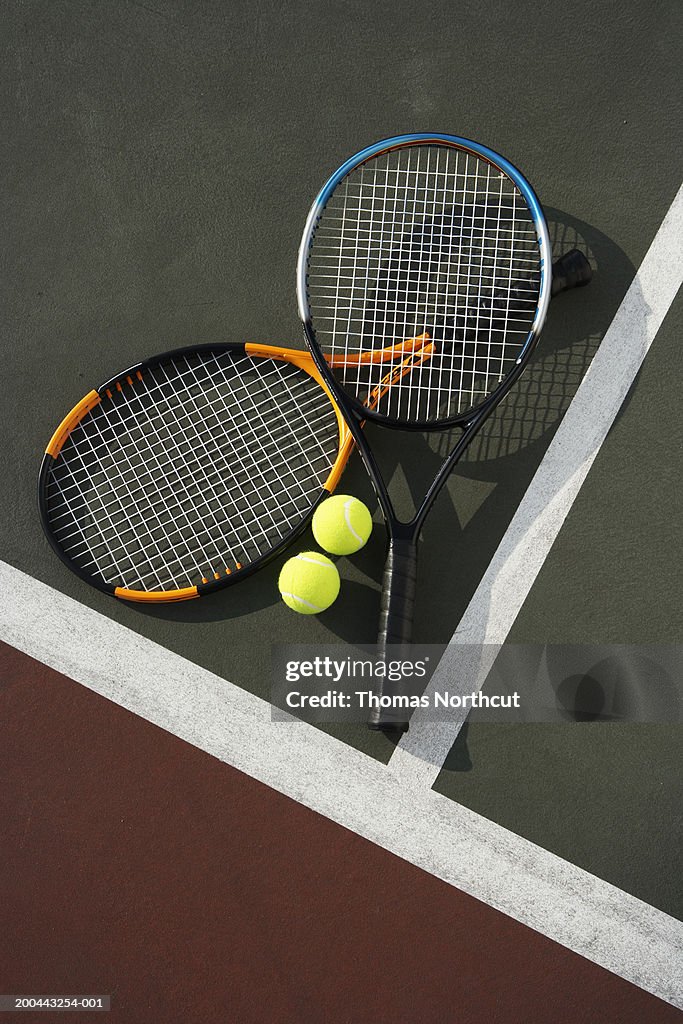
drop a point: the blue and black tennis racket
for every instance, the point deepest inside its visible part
(433, 236)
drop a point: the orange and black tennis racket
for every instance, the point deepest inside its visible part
(188, 471)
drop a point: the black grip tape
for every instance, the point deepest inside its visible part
(398, 593)
(395, 623)
(571, 271)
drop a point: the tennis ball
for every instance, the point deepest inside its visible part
(342, 524)
(309, 583)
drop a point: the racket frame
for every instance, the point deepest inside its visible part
(342, 397)
(411, 352)
(400, 572)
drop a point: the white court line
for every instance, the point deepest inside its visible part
(556, 898)
(551, 494)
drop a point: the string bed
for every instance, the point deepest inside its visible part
(425, 239)
(199, 468)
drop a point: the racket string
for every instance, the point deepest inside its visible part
(204, 466)
(426, 239)
(133, 434)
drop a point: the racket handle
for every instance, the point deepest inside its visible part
(395, 622)
(571, 271)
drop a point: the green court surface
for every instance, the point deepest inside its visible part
(160, 164)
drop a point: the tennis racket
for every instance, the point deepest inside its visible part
(189, 471)
(424, 235)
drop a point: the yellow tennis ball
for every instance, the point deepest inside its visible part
(309, 583)
(342, 524)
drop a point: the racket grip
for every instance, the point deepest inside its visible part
(395, 623)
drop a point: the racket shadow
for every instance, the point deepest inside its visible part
(475, 510)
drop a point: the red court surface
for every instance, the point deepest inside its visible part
(138, 866)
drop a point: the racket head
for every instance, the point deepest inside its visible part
(190, 470)
(425, 234)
